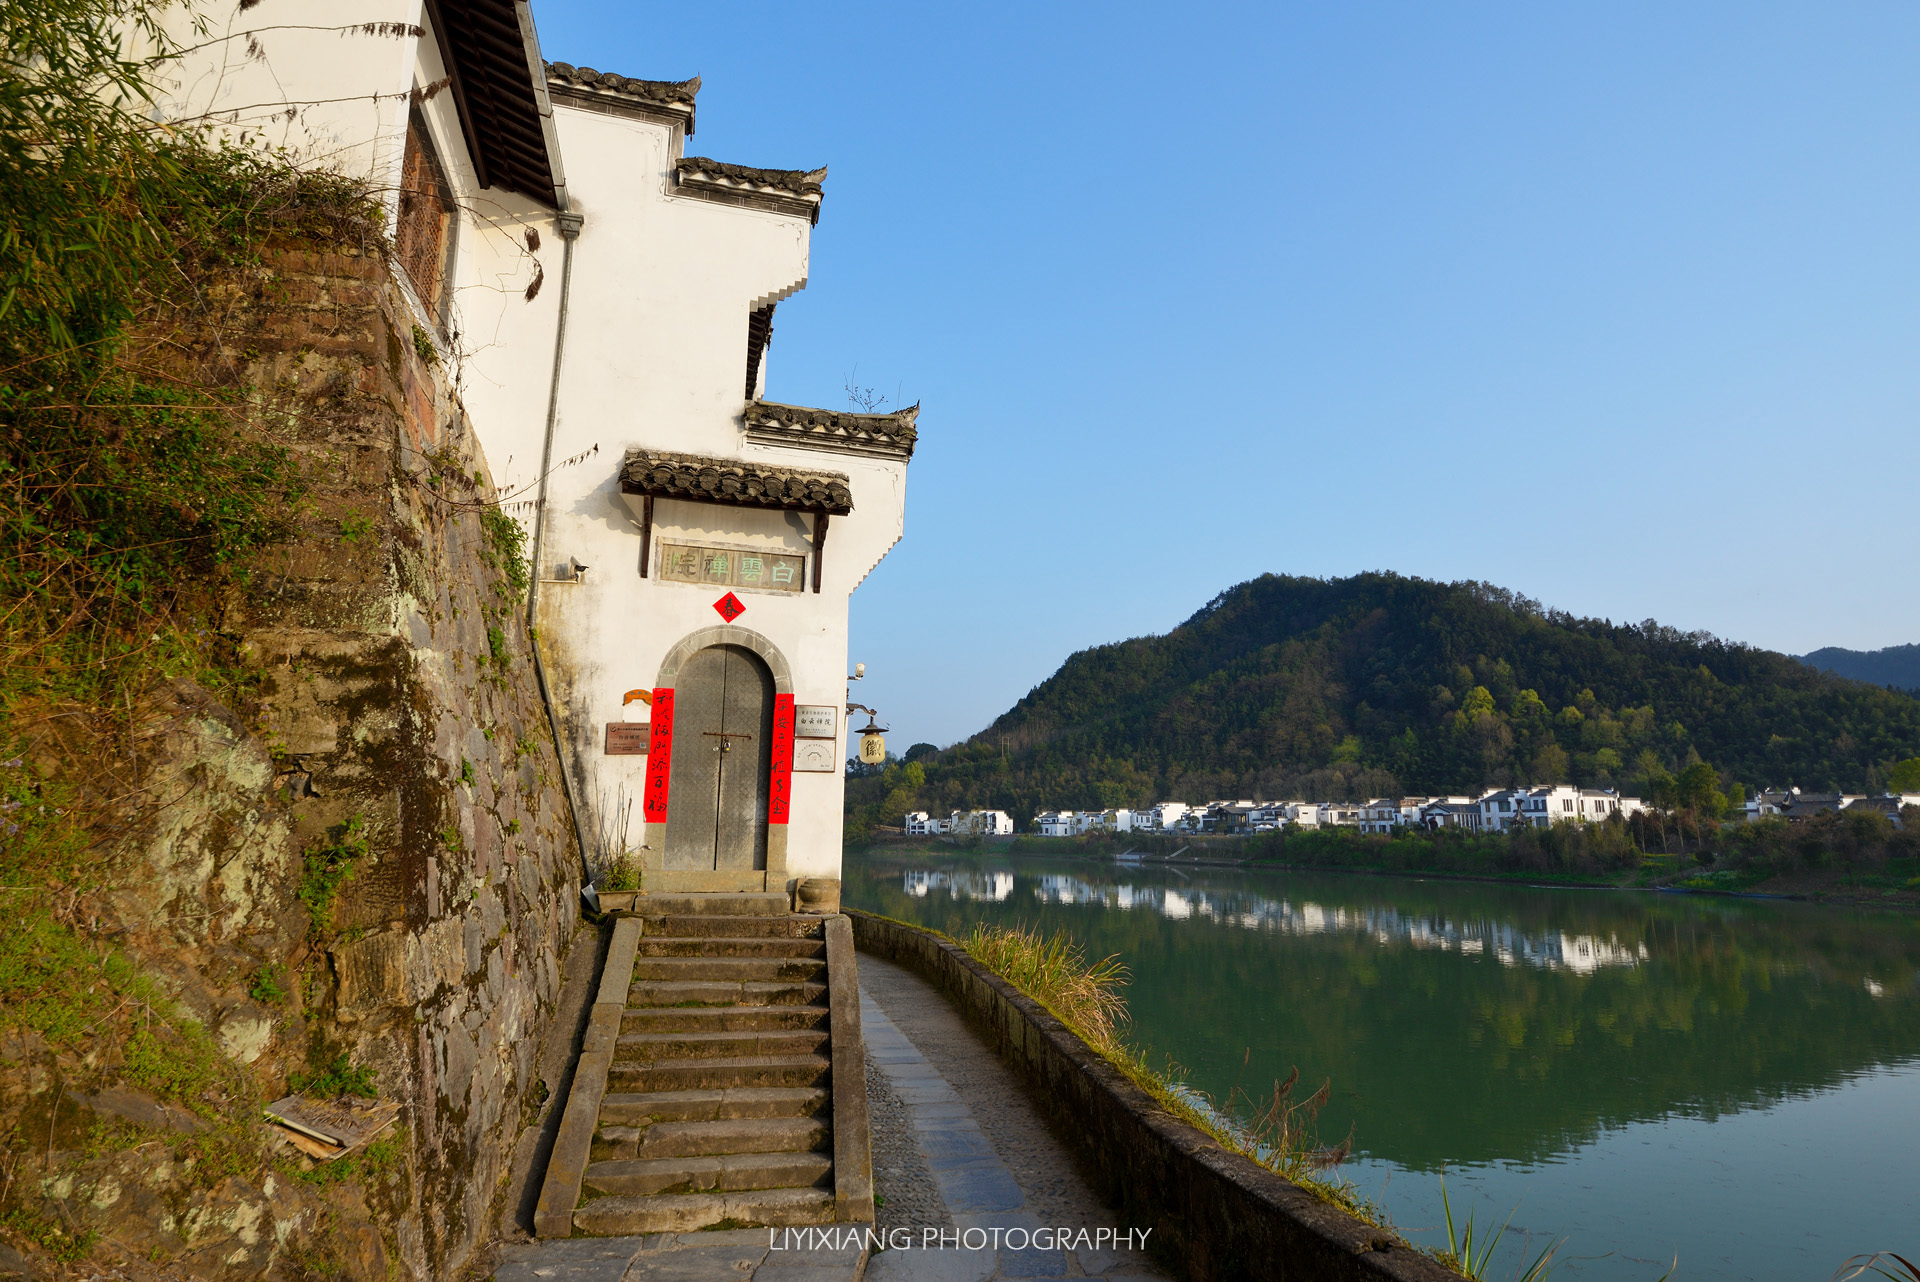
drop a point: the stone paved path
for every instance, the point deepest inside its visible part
(960, 1150)
(961, 1156)
(733, 1255)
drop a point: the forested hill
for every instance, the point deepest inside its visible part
(1326, 689)
(1897, 665)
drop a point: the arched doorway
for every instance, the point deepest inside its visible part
(722, 760)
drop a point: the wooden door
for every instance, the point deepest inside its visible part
(722, 754)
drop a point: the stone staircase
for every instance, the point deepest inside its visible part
(732, 1082)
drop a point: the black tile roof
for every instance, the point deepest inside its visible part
(780, 191)
(667, 101)
(738, 482)
(881, 435)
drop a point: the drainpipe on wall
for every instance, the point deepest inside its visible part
(569, 224)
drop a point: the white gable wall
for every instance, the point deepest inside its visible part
(655, 357)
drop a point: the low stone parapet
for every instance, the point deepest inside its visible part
(1214, 1214)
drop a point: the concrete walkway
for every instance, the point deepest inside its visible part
(965, 1163)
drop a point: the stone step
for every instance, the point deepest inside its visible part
(690, 993)
(731, 946)
(721, 1019)
(707, 1139)
(698, 904)
(732, 969)
(689, 1212)
(637, 1108)
(728, 1173)
(653, 1048)
(791, 927)
(711, 1074)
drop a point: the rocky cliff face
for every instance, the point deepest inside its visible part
(362, 861)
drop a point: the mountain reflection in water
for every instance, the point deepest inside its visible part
(1459, 1022)
(1487, 1029)
(1642, 1071)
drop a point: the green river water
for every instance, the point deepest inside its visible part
(1732, 1081)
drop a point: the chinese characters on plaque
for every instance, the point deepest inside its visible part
(771, 571)
(629, 738)
(815, 730)
(815, 721)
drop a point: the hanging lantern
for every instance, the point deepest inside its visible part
(873, 744)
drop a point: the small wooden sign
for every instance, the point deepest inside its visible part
(815, 721)
(629, 738)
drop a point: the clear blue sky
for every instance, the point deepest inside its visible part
(1616, 305)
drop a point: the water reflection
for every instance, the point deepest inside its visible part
(1501, 1032)
(1460, 1021)
(1387, 926)
(962, 883)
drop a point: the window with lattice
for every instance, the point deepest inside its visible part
(425, 236)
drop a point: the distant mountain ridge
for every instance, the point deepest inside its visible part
(1376, 684)
(1897, 665)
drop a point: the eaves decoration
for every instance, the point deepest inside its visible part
(874, 435)
(780, 191)
(666, 102)
(735, 482)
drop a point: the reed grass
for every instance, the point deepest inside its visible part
(1877, 1263)
(1053, 970)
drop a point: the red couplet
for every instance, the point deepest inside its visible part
(780, 782)
(653, 803)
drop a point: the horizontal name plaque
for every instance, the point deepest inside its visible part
(815, 721)
(734, 567)
(629, 738)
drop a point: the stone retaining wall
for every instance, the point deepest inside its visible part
(1214, 1214)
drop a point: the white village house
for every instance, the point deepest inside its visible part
(606, 300)
(983, 823)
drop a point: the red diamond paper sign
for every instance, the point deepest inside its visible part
(730, 607)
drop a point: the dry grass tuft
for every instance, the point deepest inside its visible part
(1053, 970)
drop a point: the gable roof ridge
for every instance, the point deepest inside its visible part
(681, 91)
(797, 182)
(884, 435)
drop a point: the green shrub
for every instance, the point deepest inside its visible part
(507, 548)
(265, 985)
(327, 868)
(66, 1247)
(335, 1077)
(623, 873)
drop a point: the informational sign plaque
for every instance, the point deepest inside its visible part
(815, 721)
(815, 755)
(629, 738)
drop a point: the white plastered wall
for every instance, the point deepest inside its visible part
(656, 358)
(334, 96)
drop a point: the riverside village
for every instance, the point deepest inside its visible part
(458, 591)
(1494, 810)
